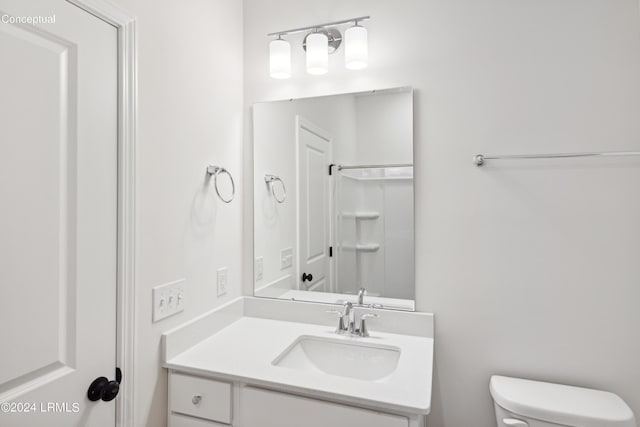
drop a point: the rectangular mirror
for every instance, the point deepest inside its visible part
(333, 199)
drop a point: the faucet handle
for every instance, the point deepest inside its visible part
(341, 328)
(363, 331)
(362, 292)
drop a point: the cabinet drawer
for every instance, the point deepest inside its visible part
(263, 408)
(213, 404)
(177, 420)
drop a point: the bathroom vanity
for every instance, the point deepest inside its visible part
(349, 356)
(260, 362)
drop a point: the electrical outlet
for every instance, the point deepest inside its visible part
(222, 274)
(286, 258)
(168, 299)
(259, 268)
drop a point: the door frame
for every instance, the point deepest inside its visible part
(127, 136)
(309, 125)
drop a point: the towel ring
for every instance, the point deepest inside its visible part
(215, 171)
(270, 179)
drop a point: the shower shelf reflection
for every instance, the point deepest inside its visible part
(361, 247)
(361, 215)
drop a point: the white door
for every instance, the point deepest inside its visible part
(314, 157)
(58, 214)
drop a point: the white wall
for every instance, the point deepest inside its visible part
(530, 267)
(190, 115)
(384, 123)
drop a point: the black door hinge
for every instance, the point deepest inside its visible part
(330, 251)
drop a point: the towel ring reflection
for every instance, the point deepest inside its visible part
(270, 179)
(215, 171)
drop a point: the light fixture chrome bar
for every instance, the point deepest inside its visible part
(397, 165)
(312, 27)
(480, 159)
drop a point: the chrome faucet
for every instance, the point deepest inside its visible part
(361, 294)
(348, 317)
(362, 331)
(347, 321)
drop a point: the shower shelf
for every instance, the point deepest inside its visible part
(362, 247)
(361, 215)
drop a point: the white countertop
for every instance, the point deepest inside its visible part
(245, 349)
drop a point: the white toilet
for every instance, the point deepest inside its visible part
(522, 403)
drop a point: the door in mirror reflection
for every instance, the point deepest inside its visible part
(314, 207)
(347, 221)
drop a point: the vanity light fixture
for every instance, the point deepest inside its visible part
(317, 47)
(320, 41)
(280, 59)
(356, 52)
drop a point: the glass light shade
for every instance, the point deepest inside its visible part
(317, 54)
(280, 59)
(356, 49)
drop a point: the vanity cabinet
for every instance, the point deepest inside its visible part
(198, 402)
(206, 402)
(264, 408)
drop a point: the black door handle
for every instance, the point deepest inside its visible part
(306, 277)
(102, 388)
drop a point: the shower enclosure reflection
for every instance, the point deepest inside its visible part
(374, 230)
(333, 198)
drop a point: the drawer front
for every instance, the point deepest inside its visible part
(263, 408)
(177, 420)
(200, 397)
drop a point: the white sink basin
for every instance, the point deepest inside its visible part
(364, 361)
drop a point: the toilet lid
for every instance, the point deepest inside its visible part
(561, 404)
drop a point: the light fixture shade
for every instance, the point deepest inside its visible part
(317, 54)
(356, 51)
(280, 59)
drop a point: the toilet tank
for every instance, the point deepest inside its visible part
(521, 403)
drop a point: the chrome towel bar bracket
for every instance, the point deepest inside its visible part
(215, 171)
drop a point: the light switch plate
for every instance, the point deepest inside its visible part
(168, 299)
(222, 276)
(286, 258)
(259, 268)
